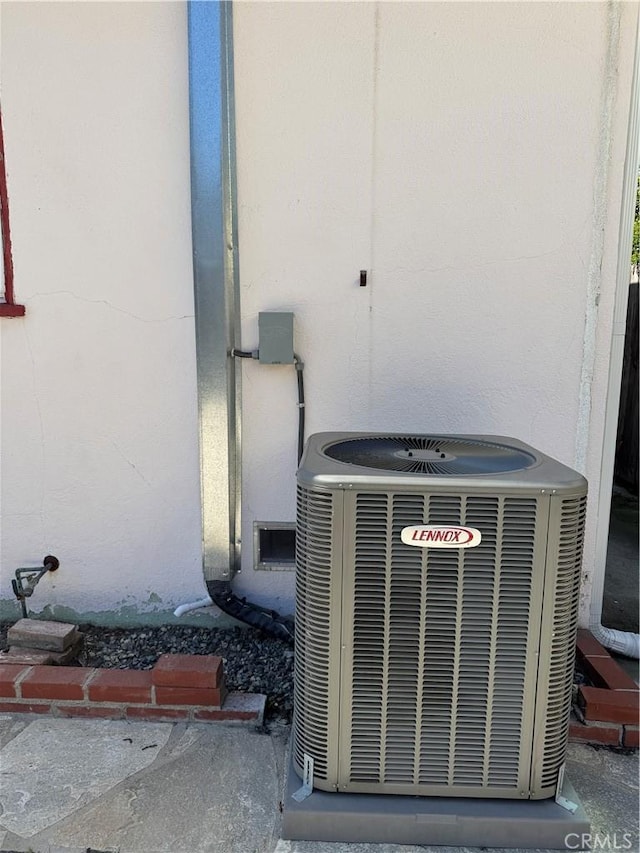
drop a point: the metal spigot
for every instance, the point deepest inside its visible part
(27, 579)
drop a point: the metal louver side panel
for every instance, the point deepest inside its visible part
(438, 679)
(522, 531)
(558, 639)
(371, 628)
(316, 666)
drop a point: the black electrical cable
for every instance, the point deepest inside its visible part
(265, 620)
(299, 365)
(301, 405)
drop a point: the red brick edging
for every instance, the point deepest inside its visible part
(192, 688)
(611, 707)
(179, 687)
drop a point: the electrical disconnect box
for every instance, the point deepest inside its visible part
(275, 331)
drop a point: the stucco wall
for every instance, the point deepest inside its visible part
(470, 157)
(467, 155)
(99, 412)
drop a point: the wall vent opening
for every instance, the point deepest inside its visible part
(274, 545)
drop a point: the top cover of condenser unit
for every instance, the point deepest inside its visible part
(351, 460)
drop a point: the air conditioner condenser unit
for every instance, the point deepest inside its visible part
(437, 584)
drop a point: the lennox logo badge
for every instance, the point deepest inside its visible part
(433, 536)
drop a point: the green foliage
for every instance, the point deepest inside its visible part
(635, 244)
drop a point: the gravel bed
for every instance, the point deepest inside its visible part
(253, 662)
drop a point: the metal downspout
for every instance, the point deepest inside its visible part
(215, 276)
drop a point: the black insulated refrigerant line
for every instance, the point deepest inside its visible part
(269, 621)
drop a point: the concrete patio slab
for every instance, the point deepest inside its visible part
(608, 785)
(10, 726)
(212, 789)
(59, 766)
(223, 792)
(326, 847)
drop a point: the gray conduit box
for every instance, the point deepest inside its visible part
(275, 332)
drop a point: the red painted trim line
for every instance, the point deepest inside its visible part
(11, 310)
(8, 308)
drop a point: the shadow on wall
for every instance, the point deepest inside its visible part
(620, 603)
(626, 465)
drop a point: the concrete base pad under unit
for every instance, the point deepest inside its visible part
(384, 819)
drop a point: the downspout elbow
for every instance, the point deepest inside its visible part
(623, 642)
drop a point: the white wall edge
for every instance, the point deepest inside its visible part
(617, 345)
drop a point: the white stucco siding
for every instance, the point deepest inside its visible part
(99, 409)
(454, 150)
(486, 131)
(304, 116)
(468, 156)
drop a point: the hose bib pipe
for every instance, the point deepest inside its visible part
(27, 579)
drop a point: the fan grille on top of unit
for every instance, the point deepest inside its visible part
(425, 454)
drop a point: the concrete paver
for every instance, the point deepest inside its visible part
(206, 789)
(219, 793)
(11, 726)
(57, 767)
(325, 847)
(40, 634)
(607, 783)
